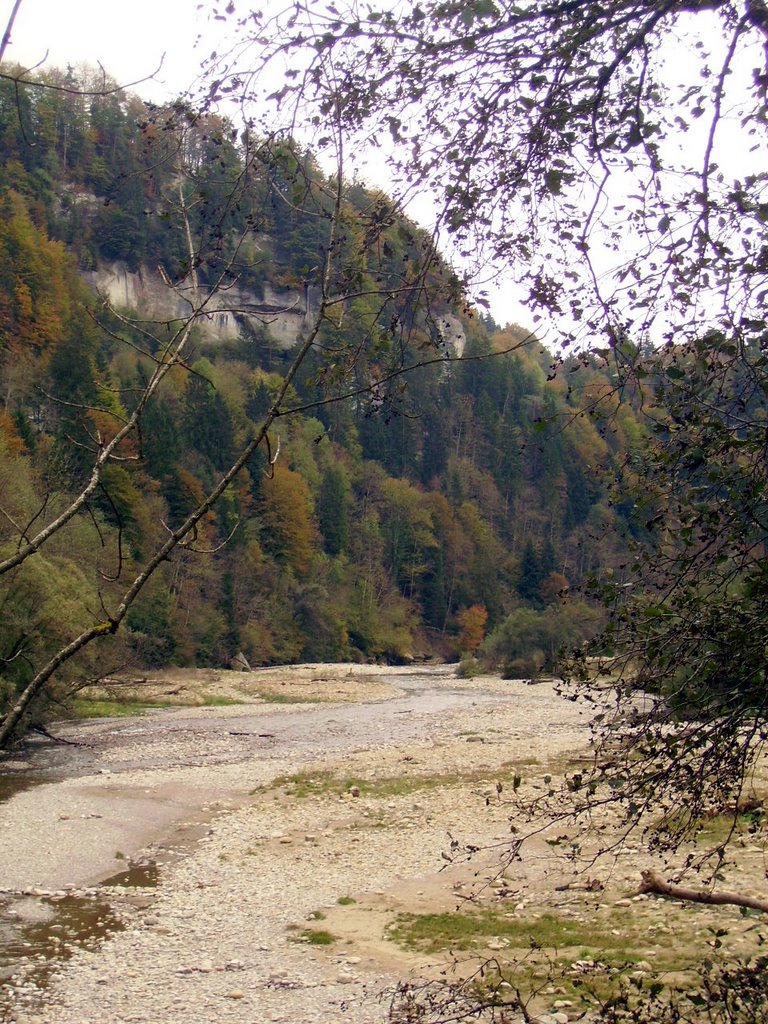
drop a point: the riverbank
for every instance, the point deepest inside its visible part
(323, 818)
(269, 859)
(130, 779)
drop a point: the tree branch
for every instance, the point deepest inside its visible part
(652, 882)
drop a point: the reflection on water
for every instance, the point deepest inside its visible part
(36, 934)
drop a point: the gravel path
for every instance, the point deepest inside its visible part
(215, 940)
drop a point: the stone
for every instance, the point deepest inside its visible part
(236, 993)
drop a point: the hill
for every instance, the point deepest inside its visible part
(405, 502)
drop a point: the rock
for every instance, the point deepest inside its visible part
(354, 791)
(236, 993)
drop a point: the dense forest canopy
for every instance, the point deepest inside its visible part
(380, 527)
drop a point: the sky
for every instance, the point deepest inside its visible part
(128, 37)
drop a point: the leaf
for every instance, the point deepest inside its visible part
(553, 180)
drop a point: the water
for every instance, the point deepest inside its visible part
(137, 876)
(10, 785)
(38, 934)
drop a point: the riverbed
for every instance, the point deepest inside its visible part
(213, 794)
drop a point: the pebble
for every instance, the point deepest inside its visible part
(238, 923)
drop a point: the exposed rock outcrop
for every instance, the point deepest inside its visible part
(282, 315)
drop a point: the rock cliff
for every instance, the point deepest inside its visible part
(282, 315)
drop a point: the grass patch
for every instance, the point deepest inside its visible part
(116, 707)
(716, 829)
(313, 936)
(345, 901)
(318, 783)
(585, 958)
(275, 697)
(613, 936)
(84, 708)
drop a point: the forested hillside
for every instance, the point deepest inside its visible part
(413, 517)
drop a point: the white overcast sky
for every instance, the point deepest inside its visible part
(128, 37)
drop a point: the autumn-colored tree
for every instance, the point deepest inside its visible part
(472, 622)
(286, 516)
(553, 588)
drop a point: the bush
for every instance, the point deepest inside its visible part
(527, 641)
(469, 668)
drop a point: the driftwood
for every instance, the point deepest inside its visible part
(56, 739)
(240, 661)
(653, 882)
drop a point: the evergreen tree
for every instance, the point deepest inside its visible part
(530, 575)
(207, 422)
(333, 510)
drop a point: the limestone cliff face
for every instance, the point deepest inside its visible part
(282, 315)
(452, 331)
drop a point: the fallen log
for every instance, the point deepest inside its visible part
(653, 882)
